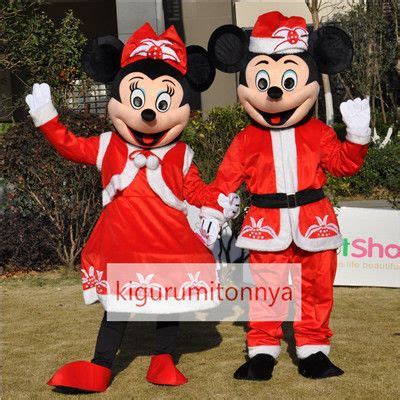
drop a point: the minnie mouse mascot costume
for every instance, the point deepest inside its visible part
(282, 156)
(147, 173)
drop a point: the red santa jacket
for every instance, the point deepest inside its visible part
(176, 179)
(287, 161)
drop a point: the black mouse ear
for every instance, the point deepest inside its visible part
(200, 70)
(332, 49)
(228, 48)
(101, 58)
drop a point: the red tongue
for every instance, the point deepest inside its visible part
(276, 119)
(147, 140)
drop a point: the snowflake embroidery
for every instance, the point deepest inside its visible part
(156, 49)
(291, 36)
(257, 230)
(193, 282)
(143, 283)
(93, 278)
(323, 229)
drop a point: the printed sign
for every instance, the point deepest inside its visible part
(370, 255)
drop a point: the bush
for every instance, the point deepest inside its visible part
(377, 179)
(55, 202)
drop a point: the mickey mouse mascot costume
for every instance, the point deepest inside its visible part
(147, 173)
(282, 156)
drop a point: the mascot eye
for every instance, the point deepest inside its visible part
(289, 80)
(163, 102)
(137, 99)
(262, 80)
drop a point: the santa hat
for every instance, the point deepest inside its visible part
(274, 33)
(146, 44)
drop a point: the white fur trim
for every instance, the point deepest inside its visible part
(187, 161)
(43, 114)
(357, 139)
(120, 182)
(158, 185)
(272, 45)
(308, 349)
(313, 244)
(281, 242)
(273, 351)
(170, 306)
(90, 296)
(103, 145)
(208, 212)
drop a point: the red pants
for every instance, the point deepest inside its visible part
(312, 332)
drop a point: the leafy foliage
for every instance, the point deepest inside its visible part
(35, 50)
(373, 29)
(57, 198)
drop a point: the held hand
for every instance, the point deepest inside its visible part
(209, 231)
(356, 115)
(230, 205)
(40, 106)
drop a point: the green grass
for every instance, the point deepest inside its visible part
(45, 324)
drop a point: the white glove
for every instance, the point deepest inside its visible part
(209, 230)
(230, 204)
(356, 115)
(41, 108)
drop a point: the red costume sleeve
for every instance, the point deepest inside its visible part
(198, 193)
(340, 158)
(229, 177)
(69, 146)
(231, 173)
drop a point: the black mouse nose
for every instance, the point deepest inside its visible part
(148, 115)
(275, 93)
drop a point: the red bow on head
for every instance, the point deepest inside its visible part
(145, 43)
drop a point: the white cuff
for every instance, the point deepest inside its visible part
(273, 351)
(43, 114)
(208, 212)
(308, 349)
(358, 139)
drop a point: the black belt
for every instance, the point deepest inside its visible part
(283, 200)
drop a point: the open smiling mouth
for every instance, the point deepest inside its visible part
(148, 139)
(278, 118)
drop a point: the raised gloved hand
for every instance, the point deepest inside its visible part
(209, 230)
(40, 105)
(230, 205)
(356, 115)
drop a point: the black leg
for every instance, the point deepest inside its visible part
(166, 336)
(108, 341)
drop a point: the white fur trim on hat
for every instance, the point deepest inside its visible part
(279, 42)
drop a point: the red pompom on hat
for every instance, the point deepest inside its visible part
(145, 43)
(274, 33)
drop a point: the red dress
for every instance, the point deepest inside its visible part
(143, 221)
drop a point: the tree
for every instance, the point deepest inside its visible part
(315, 7)
(374, 31)
(34, 49)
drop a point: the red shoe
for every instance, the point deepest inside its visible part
(162, 371)
(82, 375)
